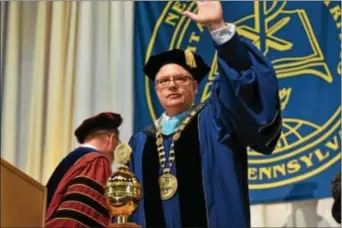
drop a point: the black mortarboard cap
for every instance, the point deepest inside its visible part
(193, 63)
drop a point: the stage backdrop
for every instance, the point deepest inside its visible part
(303, 42)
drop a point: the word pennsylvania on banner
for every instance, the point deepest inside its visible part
(302, 40)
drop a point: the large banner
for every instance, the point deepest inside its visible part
(302, 39)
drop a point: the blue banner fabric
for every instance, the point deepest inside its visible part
(302, 39)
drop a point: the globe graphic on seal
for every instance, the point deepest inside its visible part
(294, 131)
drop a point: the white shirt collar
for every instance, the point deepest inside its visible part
(166, 117)
(89, 145)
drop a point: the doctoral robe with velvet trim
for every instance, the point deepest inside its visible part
(242, 111)
(78, 199)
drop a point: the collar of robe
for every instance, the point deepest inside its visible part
(170, 124)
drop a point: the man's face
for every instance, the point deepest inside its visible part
(113, 142)
(175, 88)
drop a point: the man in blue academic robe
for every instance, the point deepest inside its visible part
(192, 162)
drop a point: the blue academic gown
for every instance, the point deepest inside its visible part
(244, 106)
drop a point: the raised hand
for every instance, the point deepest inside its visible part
(209, 14)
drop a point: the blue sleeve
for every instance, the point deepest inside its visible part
(132, 144)
(137, 143)
(245, 95)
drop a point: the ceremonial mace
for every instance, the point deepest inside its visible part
(122, 190)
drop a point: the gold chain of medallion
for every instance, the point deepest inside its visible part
(168, 183)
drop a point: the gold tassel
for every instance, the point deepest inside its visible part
(190, 59)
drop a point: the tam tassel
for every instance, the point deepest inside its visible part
(190, 59)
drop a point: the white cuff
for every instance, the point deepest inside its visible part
(223, 35)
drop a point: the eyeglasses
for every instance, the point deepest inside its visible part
(178, 80)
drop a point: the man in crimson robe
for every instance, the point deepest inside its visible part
(76, 187)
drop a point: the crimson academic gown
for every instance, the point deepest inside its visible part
(75, 191)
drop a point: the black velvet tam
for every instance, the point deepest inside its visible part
(102, 121)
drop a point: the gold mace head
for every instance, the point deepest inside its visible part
(123, 192)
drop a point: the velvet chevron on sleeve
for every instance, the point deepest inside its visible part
(79, 200)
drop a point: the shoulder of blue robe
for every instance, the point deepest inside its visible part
(245, 96)
(137, 143)
(62, 168)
